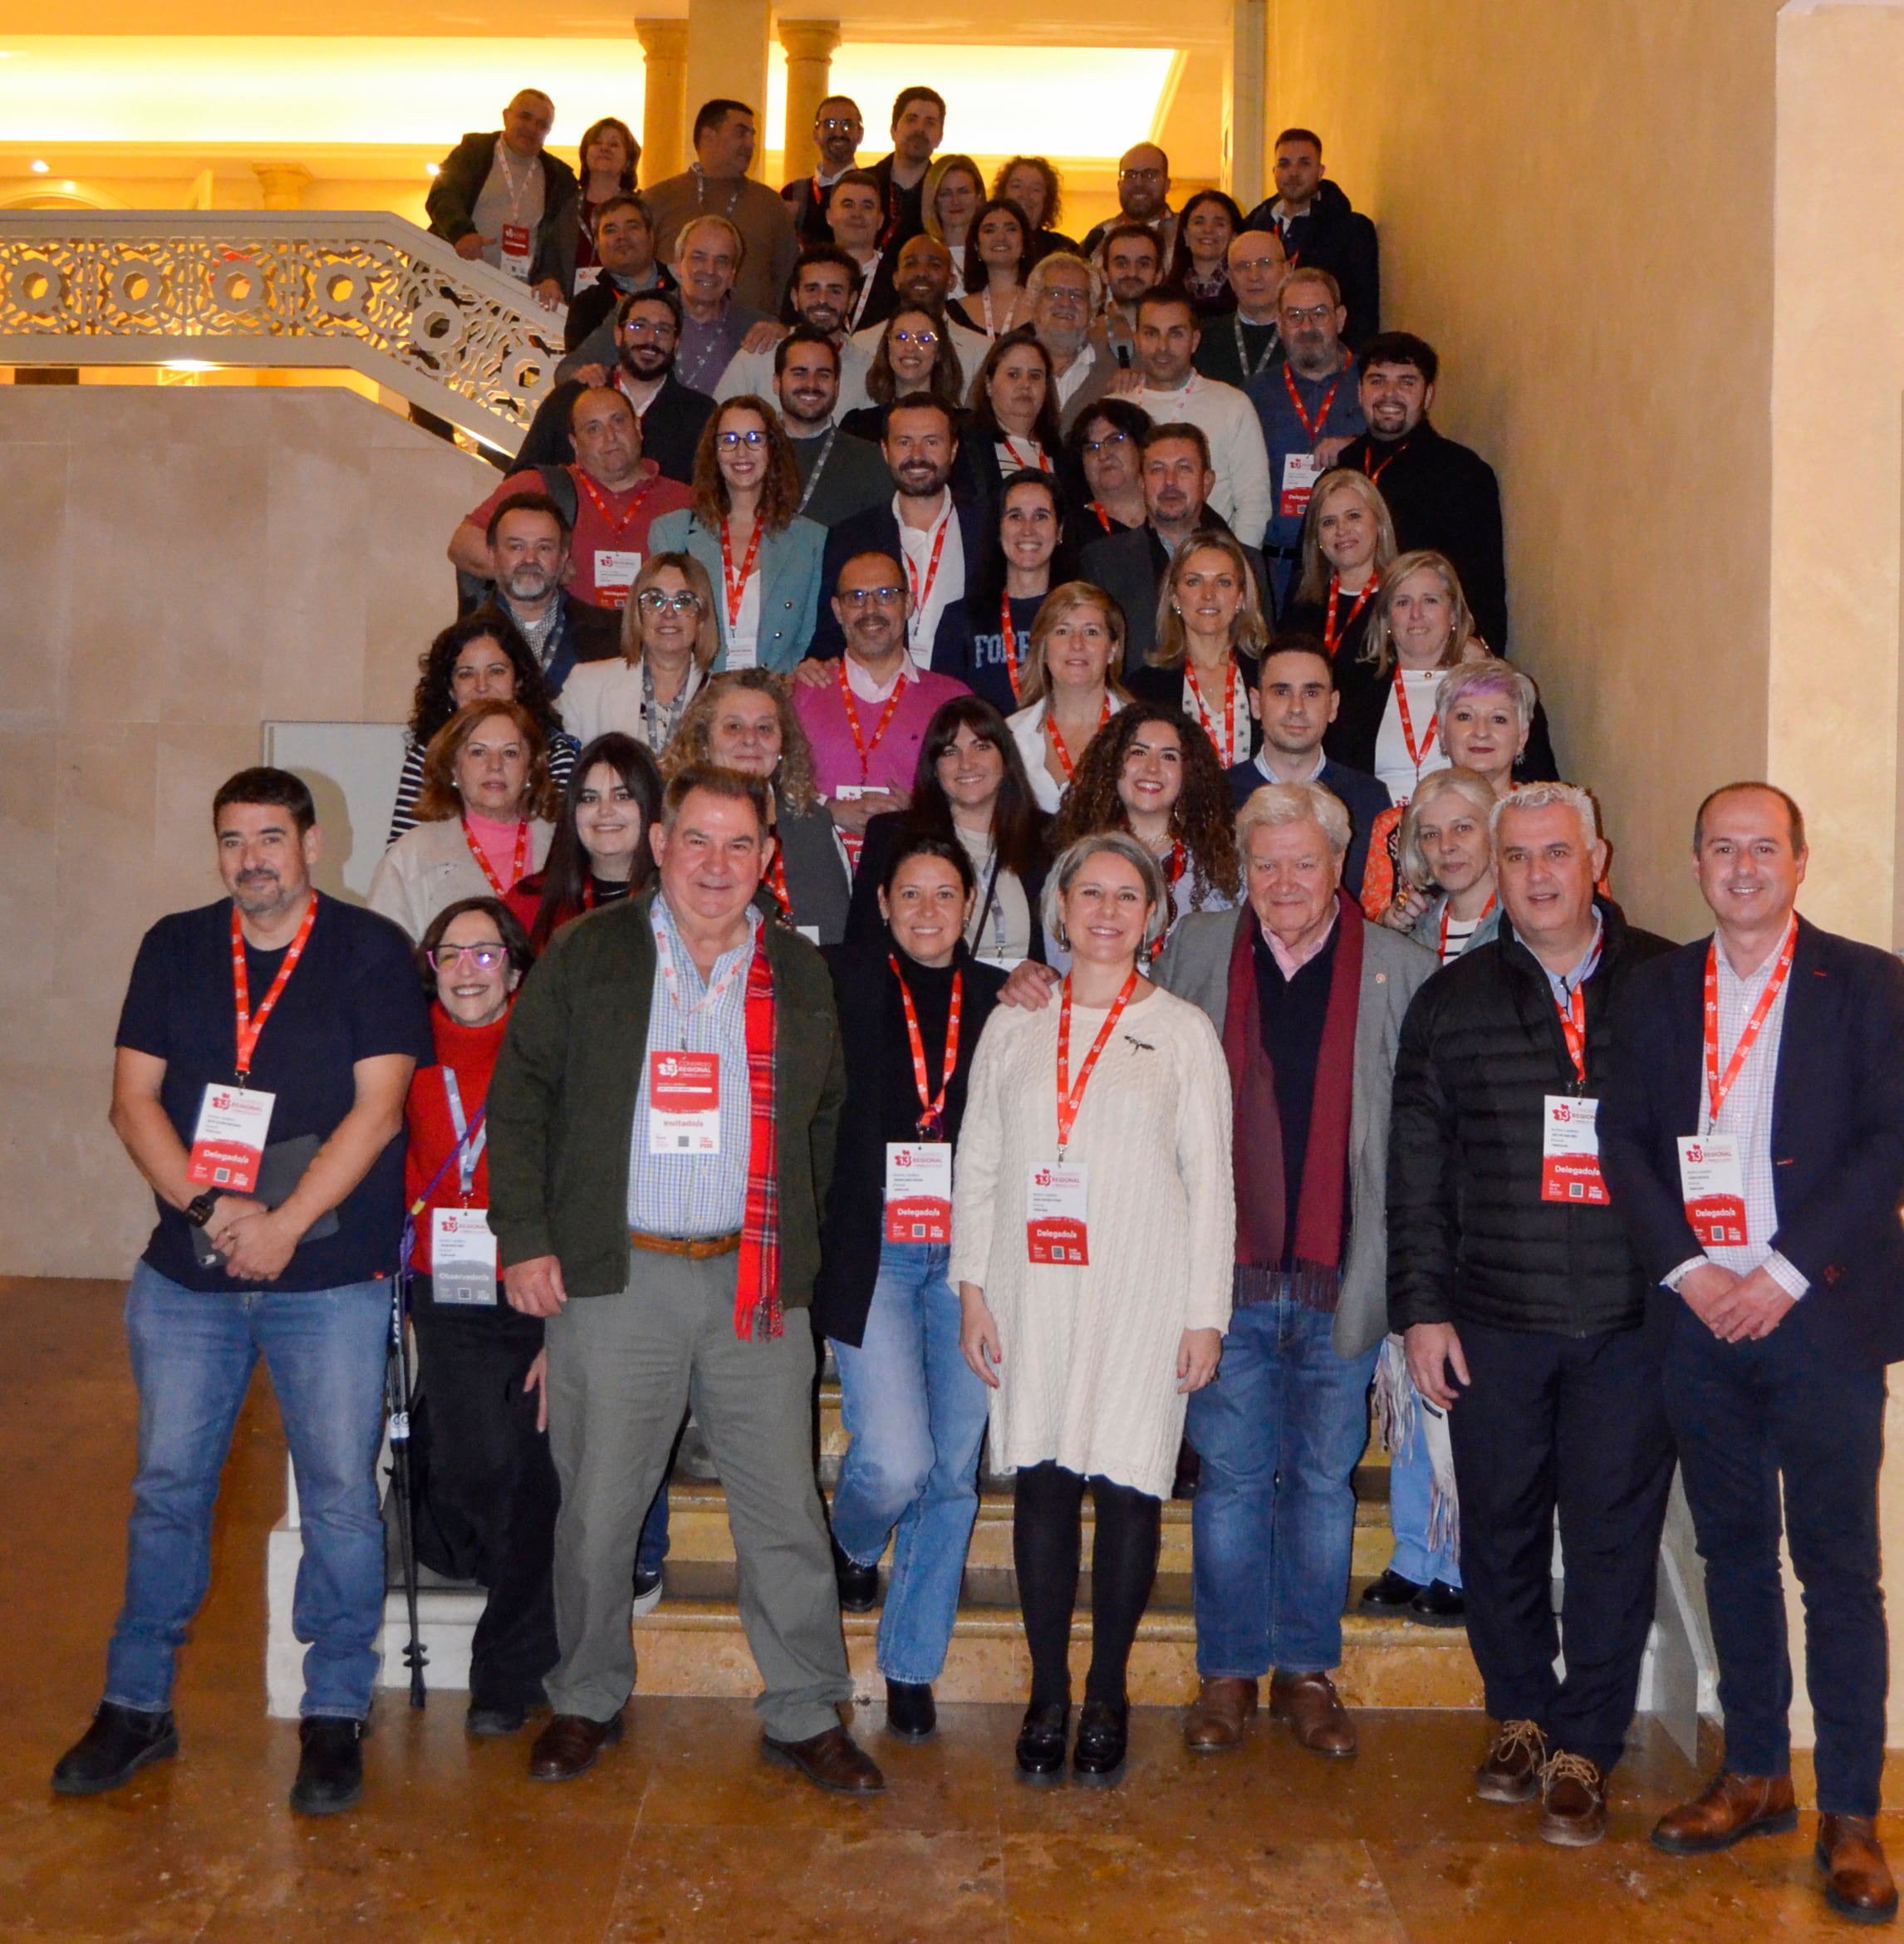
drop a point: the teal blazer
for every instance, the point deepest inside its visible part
(789, 581)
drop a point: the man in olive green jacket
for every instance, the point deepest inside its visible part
(661, 1127)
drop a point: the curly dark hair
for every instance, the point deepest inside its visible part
(779, 491)
(434, 703)
(1202, 816)
(947, 380)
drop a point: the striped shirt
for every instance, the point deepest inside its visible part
(695, 1194)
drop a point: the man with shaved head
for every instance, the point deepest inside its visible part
(1143, 196)
(497, 196)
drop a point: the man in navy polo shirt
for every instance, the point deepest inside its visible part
(264, 1051)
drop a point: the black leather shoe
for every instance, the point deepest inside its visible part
(910, 1712)
(330, 1771)
(1103, 1733)
(1041, 1745)
(859, 1585)
(119, 1743)
(1438, 1604)
(489, 1720)
(1390, 1596)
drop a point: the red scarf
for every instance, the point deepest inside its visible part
(1314, 1262)
(757, 1287)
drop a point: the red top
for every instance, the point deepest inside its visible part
(471, 1051)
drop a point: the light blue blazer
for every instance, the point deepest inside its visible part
(789, 581)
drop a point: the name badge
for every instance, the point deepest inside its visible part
(516, 244)
(1570, 1153)
(1300, 472)
(684, 1103)
(228, 1142)
(919, 1192)
(1055, 1201)
(614, 573)
(462, 1257)
(743, 651)
(587, 277)
(1712, 1184)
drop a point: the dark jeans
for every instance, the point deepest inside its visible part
(493, 1494)
(1743, 1414)
(1047, 1507)
(1575, 1425)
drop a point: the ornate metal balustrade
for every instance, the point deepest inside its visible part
(370, 292)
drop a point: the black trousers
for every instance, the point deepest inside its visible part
(1576, 1425)
(1047, 1509)
(491, 1491)
(1743, 1414)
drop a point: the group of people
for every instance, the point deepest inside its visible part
(1221, 1015)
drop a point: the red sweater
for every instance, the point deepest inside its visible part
(471, 1051)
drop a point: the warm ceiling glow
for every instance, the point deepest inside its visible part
(40, 168)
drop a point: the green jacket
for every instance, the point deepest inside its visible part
(562, 1103)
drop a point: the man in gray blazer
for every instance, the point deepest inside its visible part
(1307, 998)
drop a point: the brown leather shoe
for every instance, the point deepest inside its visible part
(1733, 1807)
(1310, 1704)
(571, 1746)
(1572, 1801)
(1858, 1879)
(1220, 1715)
(1515, 1758)
(832, 1759)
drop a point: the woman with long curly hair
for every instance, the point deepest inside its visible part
(916, 353)
(481, 658)
(1149, 772)
(744, 720)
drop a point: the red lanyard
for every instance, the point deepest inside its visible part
(859, 742)
(1103, 513)
(931, 1122)
(1226, 741)
(1375, 471)
(1716, 1087)
(1010, 635)
(1330, 637)
(1071, 1098)
(1573, 1029)
(736, 589)
(1057, 740)
(1315, 431)
(777, 883)
(250, 1028)
(1416, 756)
(923, 593)
(1041, 461)
(617, 522)
(1446, 908)
(500, 890)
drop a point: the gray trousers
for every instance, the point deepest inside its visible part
(622, 1370)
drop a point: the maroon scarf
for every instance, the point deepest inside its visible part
(1262, 1245)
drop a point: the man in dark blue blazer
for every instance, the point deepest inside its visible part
(1295, 700)
(1753, 1139)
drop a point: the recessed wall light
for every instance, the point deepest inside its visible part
(40, 168)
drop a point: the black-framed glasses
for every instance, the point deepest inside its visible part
(1109, 442)
(857, 597)
(838, 124)
(730, 440)
(1140, 175)
(446, 957)
(683, 599)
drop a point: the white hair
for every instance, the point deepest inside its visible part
(1547, 796)
(1298, 802)
(1064, 874)
(1064, 260)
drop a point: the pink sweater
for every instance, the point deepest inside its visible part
(822, 714)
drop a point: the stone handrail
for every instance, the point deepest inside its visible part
(365, 290)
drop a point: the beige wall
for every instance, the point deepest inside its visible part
(178, 566)
(1576, 208)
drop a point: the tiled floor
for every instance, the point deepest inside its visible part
(684, 1833)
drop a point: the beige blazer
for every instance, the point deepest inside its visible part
(430, 868)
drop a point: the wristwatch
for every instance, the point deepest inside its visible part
(198, 1210)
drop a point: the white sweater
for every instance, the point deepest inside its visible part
(1089, 1371)
(1243, 492)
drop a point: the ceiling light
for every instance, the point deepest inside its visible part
(39, 167)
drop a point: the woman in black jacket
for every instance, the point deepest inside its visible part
(911, 1007)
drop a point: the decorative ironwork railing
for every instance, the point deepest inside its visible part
(367, 291)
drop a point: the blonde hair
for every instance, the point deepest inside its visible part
(793, 781)
(1312, 579)
(1468, 784)
(1275, 804)
(1461, 636)
(706, 637)
(1064, 874)
(1247, 629)
(1062, 600)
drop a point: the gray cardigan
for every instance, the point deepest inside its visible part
(1195, 966)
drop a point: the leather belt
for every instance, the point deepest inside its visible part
(696, 1248)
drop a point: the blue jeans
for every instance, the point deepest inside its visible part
(192, 1355)
(1410, 1479)
(1279, 1433)
(916, 1415)
(653, 1548)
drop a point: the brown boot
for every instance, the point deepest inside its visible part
(1512, 1771)
(1220, 1715)
(1572, 1801)
(1310, 1704)
(1733, 1807)
(1858, 1879)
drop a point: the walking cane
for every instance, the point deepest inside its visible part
(397, 1380)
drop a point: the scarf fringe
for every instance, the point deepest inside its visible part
(1397, 1418)
(1444, 1499)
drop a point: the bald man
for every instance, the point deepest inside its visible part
(497, 196)
(1143, 196)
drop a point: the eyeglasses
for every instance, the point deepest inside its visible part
(1315, 314)
(857, 597)
(838, 124)
(662, 329)
(446, 957)
(728, 441)
(683, 601)
(1094, 446)
(1140, 175)
(924, 338)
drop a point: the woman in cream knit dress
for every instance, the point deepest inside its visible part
(1092, 1365)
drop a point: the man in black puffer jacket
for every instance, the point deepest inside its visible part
(1521, 1303)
